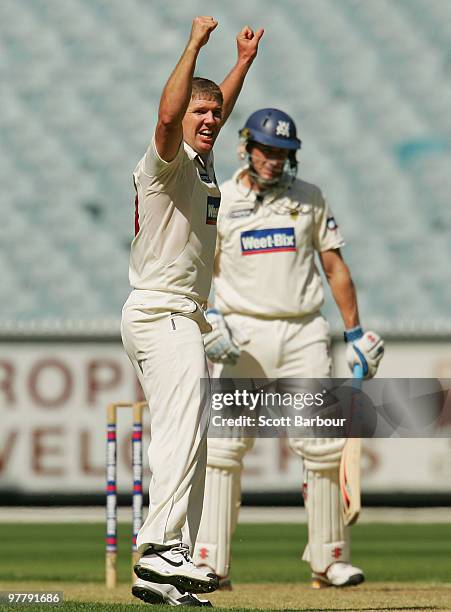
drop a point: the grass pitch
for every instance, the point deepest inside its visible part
(408, 567)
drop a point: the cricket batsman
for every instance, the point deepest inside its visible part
(267, 324)
(171, 264)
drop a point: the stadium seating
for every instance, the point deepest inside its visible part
(367, 82)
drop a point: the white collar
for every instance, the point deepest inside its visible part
(280, 203)
(249, 193)
(192, 154)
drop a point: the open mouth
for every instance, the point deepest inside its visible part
(206, 135)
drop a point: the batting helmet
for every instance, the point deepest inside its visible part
(271, 127)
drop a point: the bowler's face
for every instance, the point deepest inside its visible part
(201, 124)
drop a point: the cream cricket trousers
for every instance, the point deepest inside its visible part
(279, 348)
(276, 349)
(167, 352)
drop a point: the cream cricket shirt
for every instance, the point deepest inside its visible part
(266, 250)
(176, 209)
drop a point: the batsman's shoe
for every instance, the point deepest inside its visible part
(338, 575)
(224, 582)
(154, 593)
(175, 566)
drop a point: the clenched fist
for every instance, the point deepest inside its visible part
(201, 30)
(247, 42)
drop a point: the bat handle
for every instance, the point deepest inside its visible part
(357, 371)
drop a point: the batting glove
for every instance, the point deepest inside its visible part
(364, 349)
(219, 344)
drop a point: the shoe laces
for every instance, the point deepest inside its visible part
(182, 549)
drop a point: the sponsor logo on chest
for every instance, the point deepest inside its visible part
(205, 177)
(273, 240)
(242, 212)
(212, 210)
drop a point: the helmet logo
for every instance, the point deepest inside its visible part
(283, 129)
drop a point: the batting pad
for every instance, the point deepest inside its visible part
(328, 536)
(319, 453)
(221, 503)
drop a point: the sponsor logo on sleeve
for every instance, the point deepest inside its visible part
(331, 224)
(274, 240)
(212, 210)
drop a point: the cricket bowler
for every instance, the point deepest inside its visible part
(171, 264)
(267, 324)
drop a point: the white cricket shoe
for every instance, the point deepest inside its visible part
(154, 593)
(175, 566)
(338, 575)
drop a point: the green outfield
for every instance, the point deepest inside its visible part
(408, 567)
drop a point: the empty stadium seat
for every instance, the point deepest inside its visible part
(367, 83)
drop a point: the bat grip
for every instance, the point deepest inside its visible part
(357, 371)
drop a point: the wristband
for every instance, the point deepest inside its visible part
(353, 334)
(212, 311)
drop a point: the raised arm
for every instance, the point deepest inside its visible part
(177, 91)
(247, 43)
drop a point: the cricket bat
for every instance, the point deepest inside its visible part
(350, 469)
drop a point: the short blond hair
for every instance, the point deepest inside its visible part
(205, 88)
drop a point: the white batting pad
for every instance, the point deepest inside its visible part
(221, 503)
(319, 453)
(328, 537)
